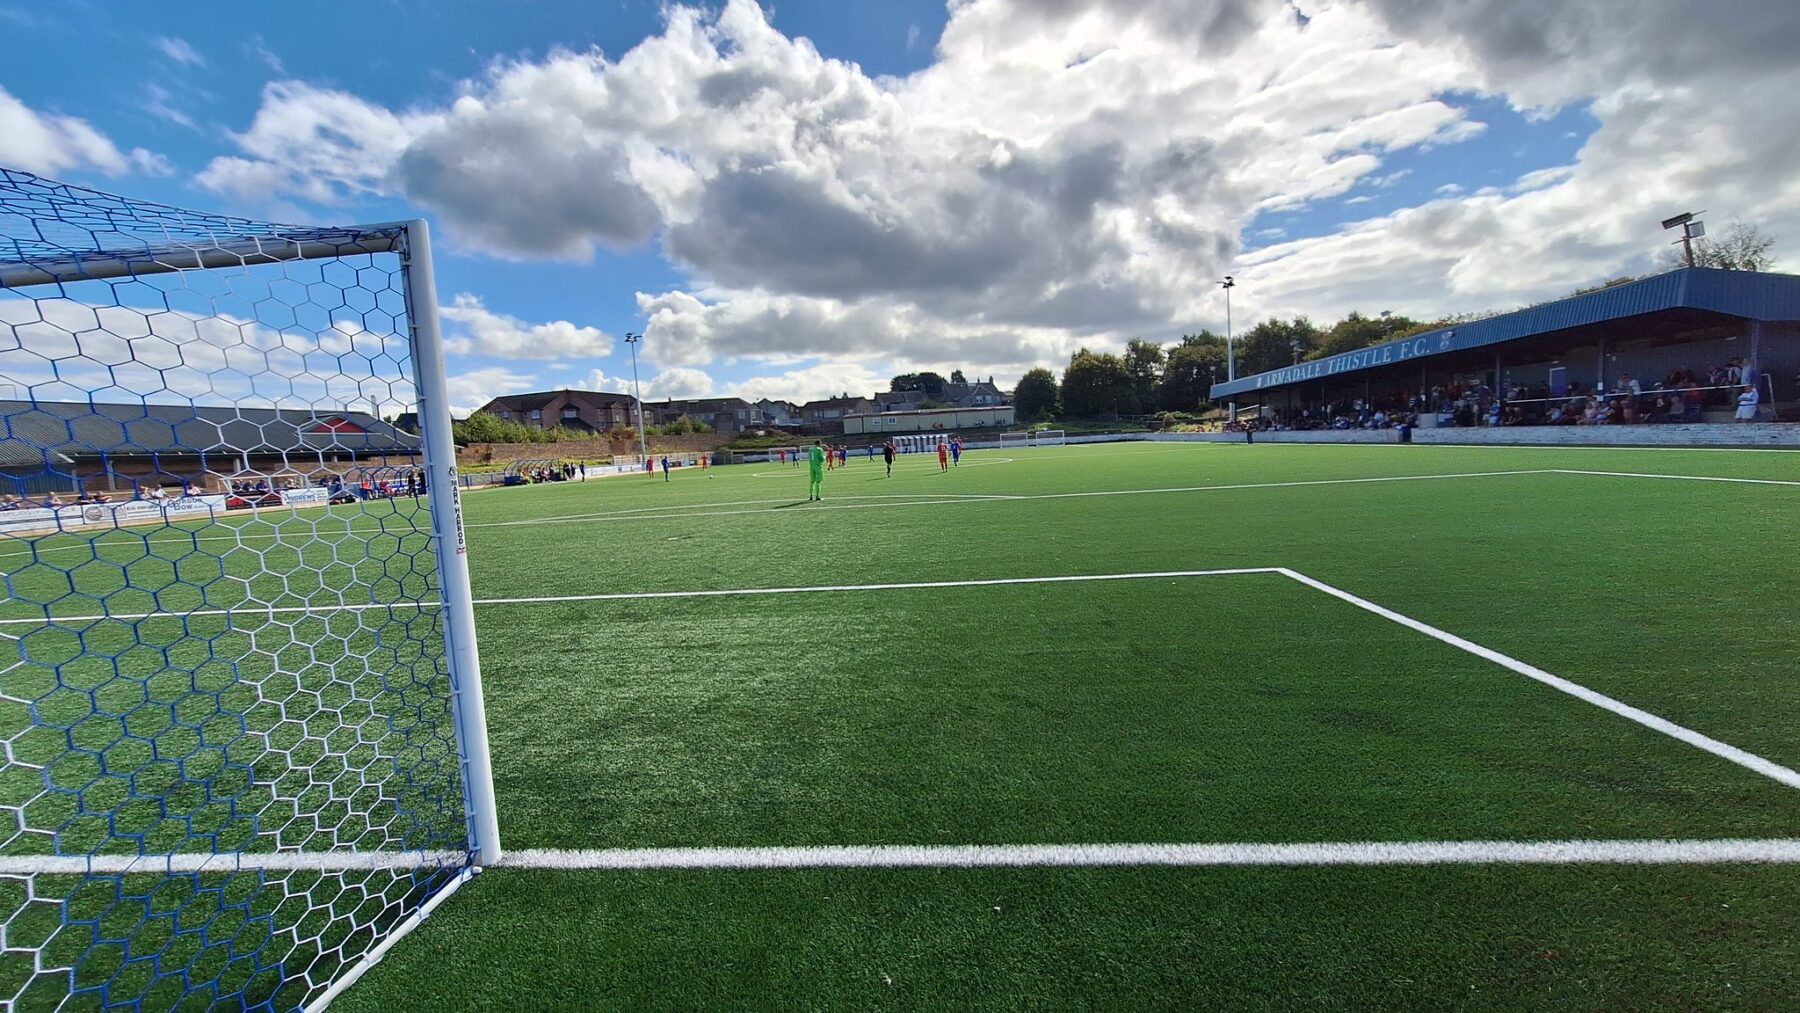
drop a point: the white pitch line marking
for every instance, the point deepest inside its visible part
(1748, 760)
(163, 537)
(955, 856)
(1677, 478)
(931, 499)
(1743, 758)
(969, 856)
(643, 595)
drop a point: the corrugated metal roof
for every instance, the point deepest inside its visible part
(51, 433)
(1743, 294)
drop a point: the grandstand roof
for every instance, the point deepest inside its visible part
(34, 433)
(1694, 295)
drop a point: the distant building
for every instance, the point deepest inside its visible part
(592, 410)
(948, 420)
(828, 415)
(724, 414)
(899, 400)
(771, 412)
(57, 446)
(980, 394)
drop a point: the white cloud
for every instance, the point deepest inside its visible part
(677, 383)
(257, 48)
(1066, 170)
(827, 379)
(598, 380)
(477, 330)
(160, 103)
(470, 390)
(178, 50)
(62, 349)
(49, 144)
(315, 144)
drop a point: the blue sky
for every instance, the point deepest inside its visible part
(927, 202)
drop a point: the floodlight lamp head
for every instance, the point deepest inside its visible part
(1679, 220)
(1228, 282)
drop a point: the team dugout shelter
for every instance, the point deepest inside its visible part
(1688, 319)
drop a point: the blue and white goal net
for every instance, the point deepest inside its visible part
(235, 732)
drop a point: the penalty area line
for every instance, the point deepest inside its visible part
(955, 856)
(1699, 740)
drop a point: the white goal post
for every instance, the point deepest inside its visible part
(311, 774)
(1049, 438)
(1015, 439)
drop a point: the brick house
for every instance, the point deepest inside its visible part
(724, 414)
(827, 416)
(593, 410)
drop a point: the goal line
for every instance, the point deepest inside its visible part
(1785, 851)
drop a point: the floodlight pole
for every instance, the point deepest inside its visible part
(636, 394)
(1690, 230)
(1230, 355)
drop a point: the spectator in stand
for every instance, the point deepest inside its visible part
(1747, 400)
(11, 502)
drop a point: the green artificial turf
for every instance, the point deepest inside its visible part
(1218, 708)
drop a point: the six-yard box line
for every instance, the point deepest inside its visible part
(1774, 850)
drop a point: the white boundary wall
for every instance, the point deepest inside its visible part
(1722, 434)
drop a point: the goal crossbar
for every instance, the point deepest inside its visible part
(240, 251)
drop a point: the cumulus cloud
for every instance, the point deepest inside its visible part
(476, 330)
(826, 379)
(470, 390)
(1068, 171)
(49, 144)
(316, 144)
(678, 383)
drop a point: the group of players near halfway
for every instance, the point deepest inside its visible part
(820, 458)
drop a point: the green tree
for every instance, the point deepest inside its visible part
(1357, 331)
(1144, 361)
(1272, 344)
(1623, 279)
(1097, 384)
(1037, 396)
(956, 376)
(931, 383)
(1203, 338)
(1189, 375)
(1741, 247)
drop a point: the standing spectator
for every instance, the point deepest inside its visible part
(665, 467)
(1746, 404)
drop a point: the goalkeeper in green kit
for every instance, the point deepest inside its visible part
(815, 459)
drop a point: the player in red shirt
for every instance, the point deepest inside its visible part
(943, 455)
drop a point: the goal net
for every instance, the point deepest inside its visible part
(240, 702)
(1049, 438)
(1015, 439)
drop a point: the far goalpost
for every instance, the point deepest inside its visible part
(1049, 438)
(284, 763)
